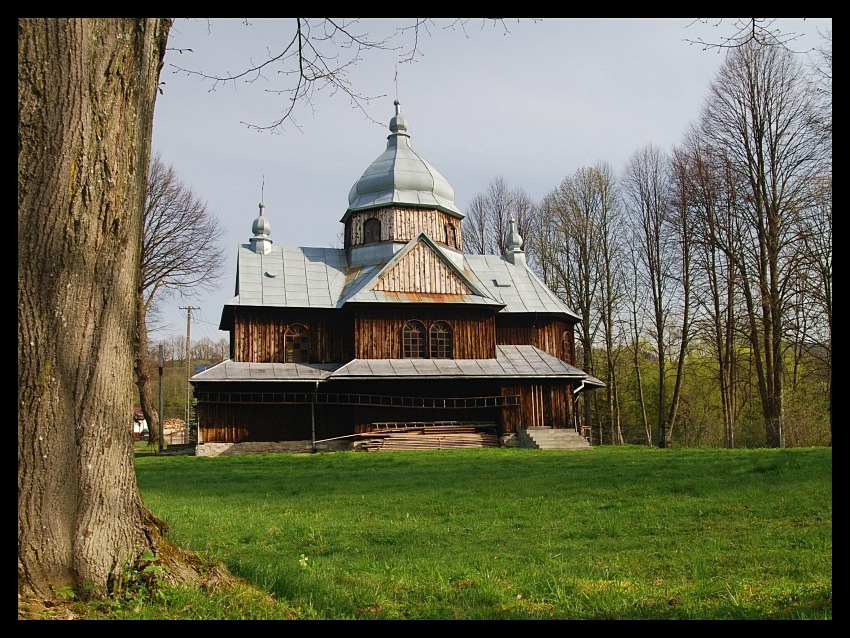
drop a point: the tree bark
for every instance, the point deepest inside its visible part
(86, 94)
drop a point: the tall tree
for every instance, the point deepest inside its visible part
(86, 93)
(181, 253)
(713, 208)
(573, 245)
(682, 239)
(648, 195)
(761, 115)
(610, 240)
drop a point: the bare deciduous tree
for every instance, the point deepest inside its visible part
(648, 195)
(712, 205)
(487, 223)
(181, 253)
(745, 32)
(318, 54)
(574, 242)
(761, 116)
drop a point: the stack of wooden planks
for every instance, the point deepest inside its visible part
(429, 438)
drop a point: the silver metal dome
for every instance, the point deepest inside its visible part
(400, 176)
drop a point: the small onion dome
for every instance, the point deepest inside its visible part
(261, 226)
(514, 239)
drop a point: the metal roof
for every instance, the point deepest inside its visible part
(520, 362)
(510, 362)
(299, 277)
(244, 371)
(515, 285)
(400, 176)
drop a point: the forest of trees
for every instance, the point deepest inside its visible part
(702, 275)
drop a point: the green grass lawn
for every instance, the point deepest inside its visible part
(501, 533)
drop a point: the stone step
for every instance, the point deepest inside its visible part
(553, 439)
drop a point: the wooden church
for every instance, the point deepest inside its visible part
(398, 331)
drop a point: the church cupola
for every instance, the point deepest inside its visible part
(397, 197)
(260, 242)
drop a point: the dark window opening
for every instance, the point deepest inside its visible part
(451, 236)
(435, 342)
(371, 231)
(296, 344)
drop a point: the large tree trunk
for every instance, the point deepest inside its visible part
(86, 94)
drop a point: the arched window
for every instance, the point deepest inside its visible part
(371, 231)
(413, 340)
(296, 344)
(440, 338)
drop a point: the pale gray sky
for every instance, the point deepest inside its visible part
(531, 106)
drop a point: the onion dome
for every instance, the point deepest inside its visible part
(401, 177)
(513, 241)
(261, 229)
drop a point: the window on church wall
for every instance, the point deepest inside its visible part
(419, 342)
(296, 344)
(451, 236)
(440, 338)
(371, 231)
(413, 340)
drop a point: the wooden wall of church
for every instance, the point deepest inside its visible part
(422, 271)
(552, 335)
(258, 334)
(401, 224)
(540, 405)
(379, 334)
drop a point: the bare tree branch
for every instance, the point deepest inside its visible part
(321, 54)
(760, 31)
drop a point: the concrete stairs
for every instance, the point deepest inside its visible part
(553, 439)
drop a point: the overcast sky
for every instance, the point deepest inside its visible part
(531, 106)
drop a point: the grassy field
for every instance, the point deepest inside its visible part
(499, 533)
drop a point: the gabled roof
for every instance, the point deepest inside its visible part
(365, 284)
(301, 277)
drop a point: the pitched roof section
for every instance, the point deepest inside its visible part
(516, 286)
(421, 272)
(525, 362)
(520, 362)
(301, 277)
(289, 277)
(243, 371)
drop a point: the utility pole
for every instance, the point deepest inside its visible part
(188, 310)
